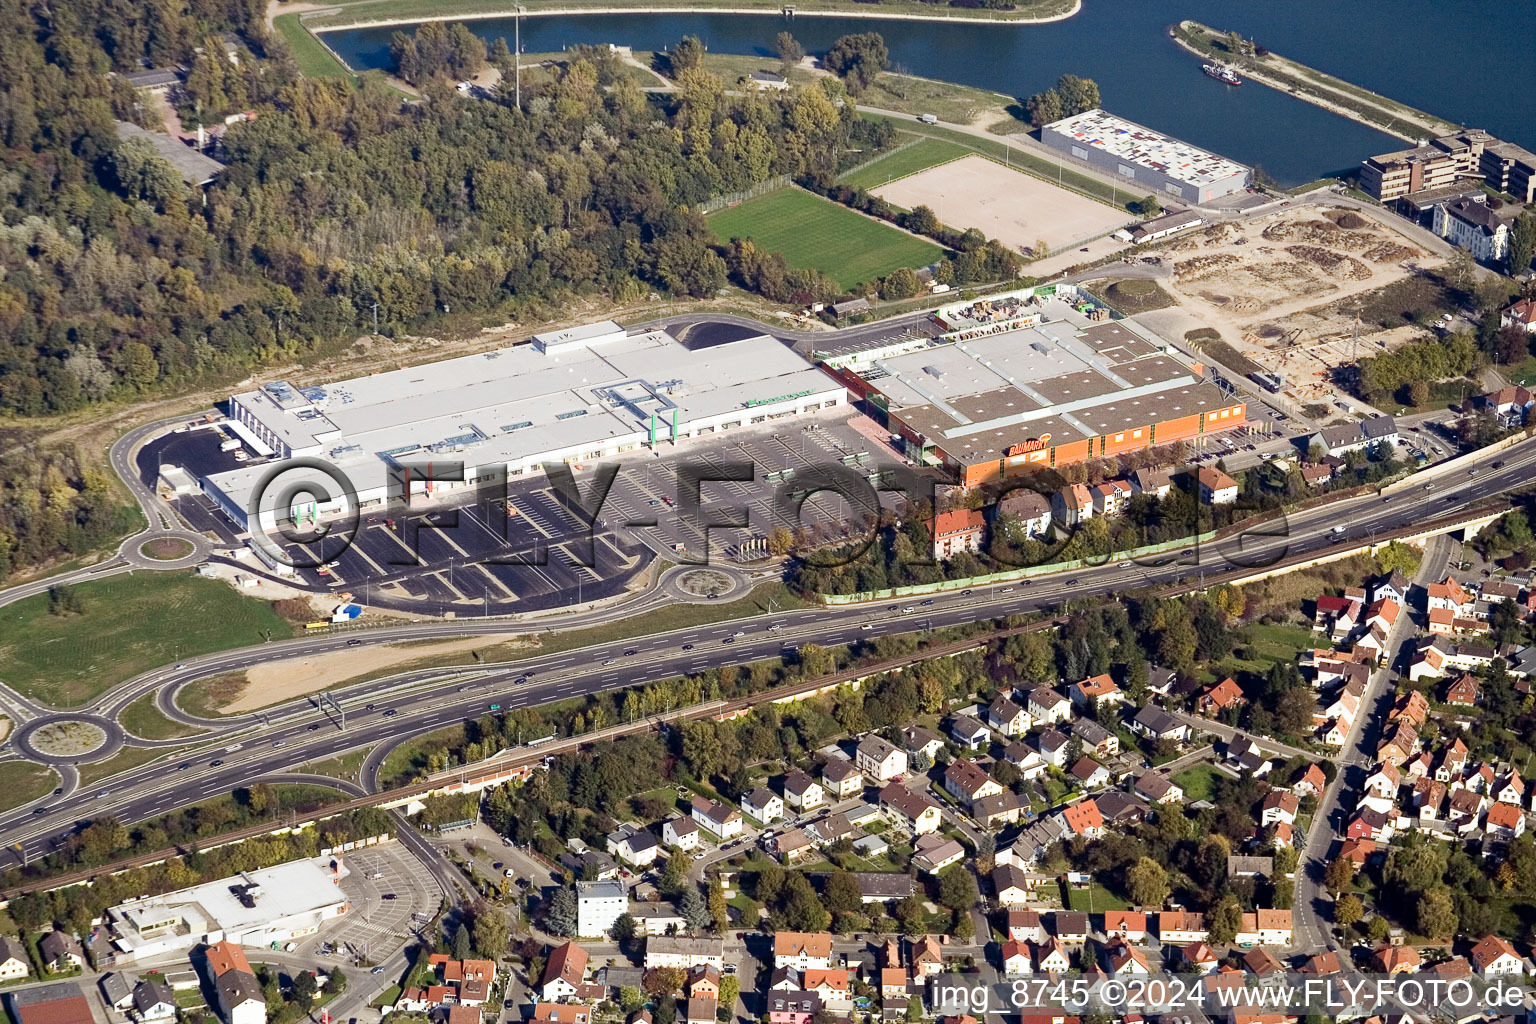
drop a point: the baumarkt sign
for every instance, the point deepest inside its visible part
(1030, 446)
(752, 402)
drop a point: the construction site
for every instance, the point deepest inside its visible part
(1283, 292)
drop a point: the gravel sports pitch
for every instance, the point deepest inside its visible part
(1015, 208)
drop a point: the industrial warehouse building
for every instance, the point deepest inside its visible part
(571, 396)
(1021, 385)
(1149, 158)
(254, 908)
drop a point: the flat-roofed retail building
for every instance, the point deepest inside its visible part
(992, 402)
(570, 396)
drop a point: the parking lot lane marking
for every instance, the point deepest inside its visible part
(492, 577)
(395, 536)
(443, 579)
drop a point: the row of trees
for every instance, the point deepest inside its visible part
(1071, 95)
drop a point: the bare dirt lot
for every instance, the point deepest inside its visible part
(1281, 289)
(1015, 208)
(277, 681)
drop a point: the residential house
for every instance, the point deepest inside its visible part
(1311, 782)
(917, 740)
(793, 845)
(968, 781)
(1089, 773)
(680, 833)
(1219, 697)
(1250, 867)
(1109, 497)
(1463, 691)
(1369, 823)
(722, 820)
(1155, 482)
(14, 962)
(1070, 927)
(879, 760)
(59, 1003)
(682, 952)
(883, 886)
(1400, 745)
(793, 1007)
(1392, 586)
(1278, 806)
(1412, 707)
(1448, 595)
(599, 905)
(764, 805)
(1051, 957)
(237, 992)
(60, 951)
(1072, 505)
(1025, 925)
(1390, 960)
(802, 950)
(1083, 819)
(1120, 809)
(703, 983)
(913, 811)
(1097, 739)
(841, 779)
(1010, 885)
(1030, 508)
(1100, 688)
(1159, 789)
(1475, 226)
(1265, 928)
(802, 792)
(1504, 821)
(1053, 747)
(1025, 758)
(1521, 314)
(925, 956)
(1157, 724)
(969, 733)
(1007, 718)
(1047, 706)
(1216, 487)
(1494, 956)
(634, 847)
(933, 853)
(1178, 927)
(1199, 956)
(543, 1013)
(154, 1002)
(1124, 960)
(1130, 925)
(564, 973)
(1016, 957)
(958, 530)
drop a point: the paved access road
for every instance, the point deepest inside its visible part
(296, 736)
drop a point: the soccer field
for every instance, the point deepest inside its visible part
(921, 155)
(813, 232)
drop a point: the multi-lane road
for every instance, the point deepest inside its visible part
(295, 733)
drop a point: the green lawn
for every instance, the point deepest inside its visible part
(810, 231)
(124, 760)
(130, 624)
(312, 57)
(1098, 898)
(1197, 782)
(919, 156)
(145, 721)
(22, 782)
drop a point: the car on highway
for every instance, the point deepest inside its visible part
(181, 665)
(279, 743)
(39, 810)
(369, 707)
(739, 634)
(631, 652)
(867, 626)
(520, 679)
(926, 603)
(215, 762)
(377, 970)
(964, 592)
(391, 712)
(315, 727)
(611, 661)
(1072, 583)
(354, 642)
(729, 640)
(687, 647)
(184, 766)
(1497, 465)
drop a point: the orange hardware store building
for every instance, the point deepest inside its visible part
(1064, 391)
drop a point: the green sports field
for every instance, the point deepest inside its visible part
(813, 232)
(921, 155)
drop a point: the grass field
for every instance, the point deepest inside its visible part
(124, 760)
(131, 624)
(848, 247)
(1197, 782)
(22, 782)
(311, 56)
(920, 155)
(145, 721)
(1096, 899)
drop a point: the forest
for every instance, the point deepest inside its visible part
(118, 281)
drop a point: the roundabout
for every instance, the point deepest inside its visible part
(69, 739)
(704, 585)
(165, 549)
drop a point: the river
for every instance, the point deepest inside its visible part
(1466, 60)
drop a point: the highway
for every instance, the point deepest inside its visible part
(298, 733)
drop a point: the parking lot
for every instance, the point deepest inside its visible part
(524, 548)
(373, 926)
